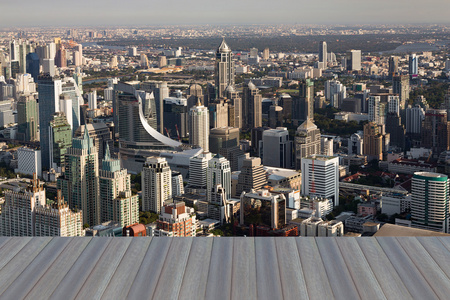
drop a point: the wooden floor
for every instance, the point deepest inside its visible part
(225, 268)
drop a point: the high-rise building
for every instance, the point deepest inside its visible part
(430, 201)
(92, 99)
(266, 54)
(307, 141)
(223, 137)
(48, 66)
(393, 66)
(60, 140)
(305, 107)
(277, 148)
(218, 113)
(400, 86)
(60, 58)
(323, 53)
(176, 220)
(285, 101)
(218, 173)
(160, 92)
(32, 67)
(71, 88)
(436, 131)
(396, 130)
(27, 118)
(177, 184)
(195, 95)
(49, 89)
(198, 166)
(414, 117)
(377, 110)
(320, 177)
(251, 107)
(353, 60)
(28, 161)
(252, 176)
(117, 203)
(100, 134)
(79, 184)
(199, 126)
(224, 69)
(335, 92)
(413, 64)
(374, 140)
(275, 116)
(156, 184)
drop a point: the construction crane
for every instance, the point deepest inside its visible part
(178, 133)
(167, 131)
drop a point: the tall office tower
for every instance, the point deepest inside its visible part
(101, 136)
(71, 89)
(48, 66)
(323, 53)
(218, 113)
(117, 203)
(373, 145)
(156, 184)
(307, 142)
(275, 116)
(58, 220)
(144, 61)
(199, 126)
(176, 117)
(218, 173)
(14, 68)
(414, 117)
(14, 51)
(305, 106)
(60, 58)
(320, 177)
(396, 130)
(234, 108)
(19, 210)
(353, 60)
(413, 64)
(277, 148)
(160, 92)
(49, 89)
(32, 65)
(79, 48)
(27, 116)
(252, 176)
(177, 184)
(377, 110)
(285, 101)
(60, 136)
(137, 138)
(430, 201)
(223, 137)
(195, 95)
(77, 58)
(65, 106)
(224, 69)
(253, 52)
(92, 100)
(162, 61)
(335, 92)
(78, 79)
(436, 131)
(109, 94)
(79, 184)
(400, 86)
(266, 54)
(113, 63)
(393, 66)
(251, 107)
(132, 51)
(198, 166)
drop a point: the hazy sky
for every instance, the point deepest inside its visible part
(152, 12)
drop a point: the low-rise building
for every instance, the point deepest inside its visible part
(176, 220)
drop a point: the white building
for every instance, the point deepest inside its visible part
(414, 117)
(355, 143)
(376, 110)
(177, 184)
(156, 184)
(92, 99)
(276, 148)
(199, 126)
(198, 166)
(218, 173)
(132, 51)
(320, 177)
(392, 203)
(326, 146)
(29, 161)
(335, 92)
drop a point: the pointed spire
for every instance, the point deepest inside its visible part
(223, 47)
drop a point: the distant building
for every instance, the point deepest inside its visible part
(263, 208)
(29, 161)
(353, 60)
(277, 148)
(252, 176)
(224, 69)
(199, 126)
(307, 141)
(27, 118)
(176, 220)
(156, 184)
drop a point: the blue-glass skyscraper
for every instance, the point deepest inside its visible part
(33, 65)
(413, 65)
(49, 89)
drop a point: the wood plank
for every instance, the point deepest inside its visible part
(75, 278)
(120, 284)
(104, 269)
(338, 274)
(171, 277)
(291, 273)
(196, 273)
(145, 282)
(410, 275)
(438, 251)
(37, 267)
(267, 272)
(3, 240)
(427, 266)
(11, 248)
(219, 274)
(316, 278)
(365, 281)
(383, 270)
(52, 277)
(21, 260)
(243, 279)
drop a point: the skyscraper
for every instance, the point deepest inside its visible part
(413, 64)
(305, 106)
(79, 184)
(252, 176)
(32, 61)
(218, 173)
(374, 140)
(323, 53)
(277, 148)
(27, 118)
(436, 131)
(224, 69)
(430, 201)
(266, 54)
(400, 86)
(393, 66)
(307, 142)
(49, 89)
(60, 140)
(223, 137)
(251, 107)
(156, 184)
(199, 126)
(198, 166)
(117, 203)
(353, 60)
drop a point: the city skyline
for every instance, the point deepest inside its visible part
(102, 13)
